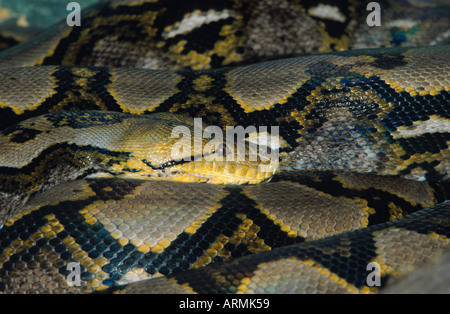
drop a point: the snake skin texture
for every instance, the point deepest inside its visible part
(330, 261)
(361, 170)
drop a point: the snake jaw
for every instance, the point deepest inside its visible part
(157, 153)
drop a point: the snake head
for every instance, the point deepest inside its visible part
(173, 147)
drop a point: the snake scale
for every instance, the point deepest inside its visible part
(88, 175)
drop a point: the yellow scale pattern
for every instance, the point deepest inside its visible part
(316, 100)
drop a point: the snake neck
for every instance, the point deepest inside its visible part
(53, 166)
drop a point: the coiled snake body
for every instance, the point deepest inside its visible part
(88, 176)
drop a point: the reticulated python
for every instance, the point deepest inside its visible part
(87, 175)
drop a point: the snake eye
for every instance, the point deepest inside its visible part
(225, 150)
(221, 150)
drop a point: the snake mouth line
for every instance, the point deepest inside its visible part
(165, 165)
(235, 144)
